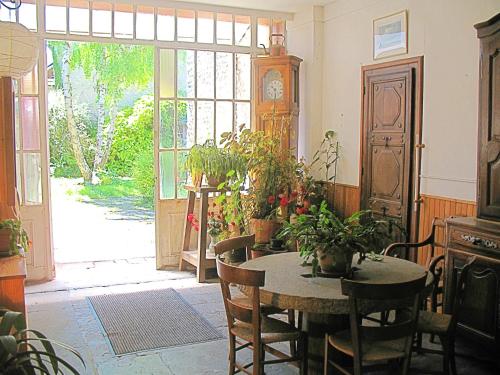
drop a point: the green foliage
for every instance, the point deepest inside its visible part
(144, 175)
(18, 236)
(111, 187)
(133, 135)
(26, 351)
(61, 153)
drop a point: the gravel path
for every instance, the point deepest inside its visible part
(86, 230)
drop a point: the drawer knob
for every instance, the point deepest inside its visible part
(478, 241)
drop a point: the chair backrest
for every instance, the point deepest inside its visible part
(251, 280)
(383, 297)
(235, 243)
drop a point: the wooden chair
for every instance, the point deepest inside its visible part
(444, 325)
(250, 324)
(385, 343)
(401, 249)
(247, 242)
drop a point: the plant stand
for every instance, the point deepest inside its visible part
(198, 257)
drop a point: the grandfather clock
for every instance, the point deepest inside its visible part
(276, 97)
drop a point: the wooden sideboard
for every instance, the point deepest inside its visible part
(466, 237)
(12, 276)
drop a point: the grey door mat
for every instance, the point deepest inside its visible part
(149, 320)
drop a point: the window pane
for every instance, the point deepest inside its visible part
(205, 121)
(224, 118)
(205, 27)
(167, 118)
(242, 31)
(101, 19)
(167, 69)
(29, 122)
(165, 24)
(182, 175)
(79, 17)
(17, 123)
(29, 83)
(167, 175)
(7, 14)
(205, 74)
(224, 75)
(242, 115)
(27, 14)
(263, 32)
(185, 73)
(145, 23)
(124, 21)
(242, 76)
(18, 175)
(55, 16)
(185, 25)
(32, 178)
(185, 124)
(224, 28)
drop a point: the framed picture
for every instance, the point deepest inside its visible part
(390, 35)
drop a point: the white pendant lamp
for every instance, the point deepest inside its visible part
(18, 50)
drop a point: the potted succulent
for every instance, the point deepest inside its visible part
(194, 164)
(13, 238)
(25, 351)
(330, 242)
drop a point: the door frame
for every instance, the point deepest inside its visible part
(418, 64)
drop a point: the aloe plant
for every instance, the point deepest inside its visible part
(26, 351)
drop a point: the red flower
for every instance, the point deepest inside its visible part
(190, 218)
(294, 194)
(300, 210)
(284, 201)
(271, 199)
(196, 228)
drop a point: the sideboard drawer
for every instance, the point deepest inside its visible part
(474, 240)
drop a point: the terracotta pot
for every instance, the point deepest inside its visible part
(197, 178)
(336, 260)
(263, 229)
(215, 181)
(4, 242)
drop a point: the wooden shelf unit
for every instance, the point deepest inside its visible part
(197, 257)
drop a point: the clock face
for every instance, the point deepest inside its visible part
(273, 85)
(274, 89)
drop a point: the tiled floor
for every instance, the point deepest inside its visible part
(60, 310)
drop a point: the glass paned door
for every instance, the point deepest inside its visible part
(32, 172)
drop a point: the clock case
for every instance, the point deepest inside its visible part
(287, 105)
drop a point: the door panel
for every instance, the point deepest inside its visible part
(387, 155)
(32, 170)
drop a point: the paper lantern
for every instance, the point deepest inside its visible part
(18, 50)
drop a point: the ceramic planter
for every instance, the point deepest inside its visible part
(4, 242)
(335, 261)
(263, 229)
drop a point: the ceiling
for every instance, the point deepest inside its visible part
(276, 5)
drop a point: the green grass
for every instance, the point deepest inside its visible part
(111, 187)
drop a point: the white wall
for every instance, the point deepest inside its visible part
(440, 30)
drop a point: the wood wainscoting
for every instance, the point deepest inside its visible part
(441, 208)
(346, 201)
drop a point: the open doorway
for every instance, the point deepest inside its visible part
(100, 120)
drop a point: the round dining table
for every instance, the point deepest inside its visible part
(289, 285)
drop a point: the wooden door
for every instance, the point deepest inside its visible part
(388, 162)
(488, 192)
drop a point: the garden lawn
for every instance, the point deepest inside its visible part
(111, 187)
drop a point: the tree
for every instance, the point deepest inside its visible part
(113, 68)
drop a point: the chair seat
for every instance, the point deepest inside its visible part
(272, 330)
(434, 323)
(265, 309)
(371, 350)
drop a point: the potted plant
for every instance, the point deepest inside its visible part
(330, 242)
(13, 238)
(194, 164)
(216, 164)
(25, 351)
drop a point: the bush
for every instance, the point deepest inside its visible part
(62, 159)
(144, 174)
(133, 136)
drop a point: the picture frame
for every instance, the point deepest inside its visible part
(390, 35)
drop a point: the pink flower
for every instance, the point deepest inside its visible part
(271, 199)
(284, 201)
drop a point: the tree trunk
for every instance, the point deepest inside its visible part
(100, 136)
(108, 136)
(70, 118)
